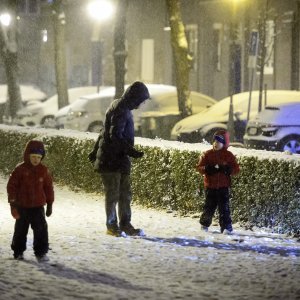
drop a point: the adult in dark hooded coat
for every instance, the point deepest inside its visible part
(111, 157)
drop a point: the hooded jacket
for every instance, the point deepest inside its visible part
(116, 144)
(221, 158)
(30, 186)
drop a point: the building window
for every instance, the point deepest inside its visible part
(191, 32)
(30, 7)
(147, 60)
(217, 45)
(270, 35)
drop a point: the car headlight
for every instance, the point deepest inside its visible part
(269, 131)
(77, 114)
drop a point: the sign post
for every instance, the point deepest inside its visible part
(254, 41)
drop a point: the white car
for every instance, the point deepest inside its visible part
(42, 113)
(28, 94)
(275, 128)
(88, 112)
(201, 126)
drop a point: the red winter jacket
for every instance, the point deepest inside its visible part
(217, 157)
(28, 185)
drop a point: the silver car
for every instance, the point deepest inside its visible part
(88, 112)
(202, 126)
(42, 113)
(275, 128)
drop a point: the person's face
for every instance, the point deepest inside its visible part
(217, 145)
(141, 104)
(137, 106)
(35, 159)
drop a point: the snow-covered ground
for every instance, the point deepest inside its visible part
(174, 261)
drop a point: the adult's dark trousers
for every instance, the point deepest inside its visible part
(35, 217)
(117, 190)
(217, 198)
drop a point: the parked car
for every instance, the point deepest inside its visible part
(88, 112)
(28, 94)
(42, 113)
(275, 128)
(201, 126)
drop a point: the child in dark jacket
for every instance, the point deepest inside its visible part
(29, 188)
(217, 165)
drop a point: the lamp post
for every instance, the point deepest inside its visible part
(99, 11)
(234, 51)
(234, 65)
(5, 19)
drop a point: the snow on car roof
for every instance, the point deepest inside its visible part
(28, 93)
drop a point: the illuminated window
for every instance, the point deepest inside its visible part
(28, 6)
(217, 49)
(191, 32)
(270, 34)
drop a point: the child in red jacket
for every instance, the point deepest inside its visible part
(29, 188)
(217, 165)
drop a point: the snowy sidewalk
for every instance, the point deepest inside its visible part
(174, 261)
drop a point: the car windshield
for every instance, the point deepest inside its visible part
(282, 114)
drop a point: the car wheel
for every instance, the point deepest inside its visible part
(95, 127)
(48, 121)
(290, 144)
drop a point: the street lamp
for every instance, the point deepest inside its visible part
(5, 19)
(234, 65)
(99, 10)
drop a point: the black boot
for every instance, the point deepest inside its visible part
(130, 230)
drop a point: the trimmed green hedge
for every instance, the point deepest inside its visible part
(265, 193)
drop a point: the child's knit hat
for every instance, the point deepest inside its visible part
(222, 136)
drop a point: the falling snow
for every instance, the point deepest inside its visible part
(175, 260)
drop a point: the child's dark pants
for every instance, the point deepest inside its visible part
(217, 198)
(36, 218)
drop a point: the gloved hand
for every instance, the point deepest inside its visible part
(137, 154)
(211, 170)
(49, 210)
(14, 212)
(226, 169)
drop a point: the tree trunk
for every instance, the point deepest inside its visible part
(60, 53)
(9, 54)
(120, 53)
(182, 58)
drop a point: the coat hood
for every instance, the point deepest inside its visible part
(33, 147)
(135, 94)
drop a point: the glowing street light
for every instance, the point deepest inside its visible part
(100, 10)
(5, 19)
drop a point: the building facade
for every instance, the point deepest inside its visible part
(218, 33)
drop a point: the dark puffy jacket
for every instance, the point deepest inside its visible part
(116, 143)
(28, 185)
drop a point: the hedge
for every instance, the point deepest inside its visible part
(265, 193)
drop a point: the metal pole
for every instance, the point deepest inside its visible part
(250, 93)
(230, 125)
